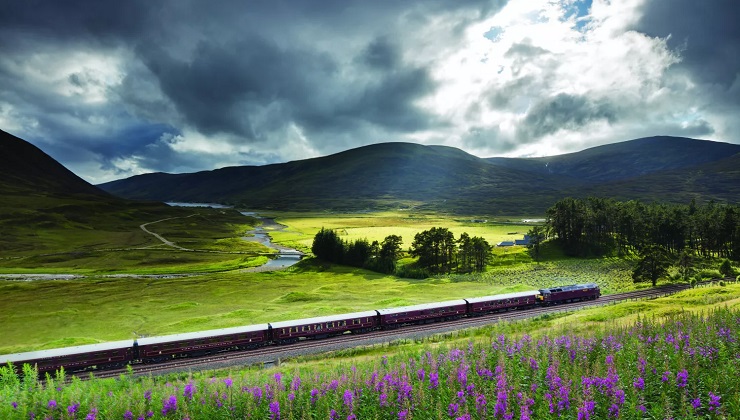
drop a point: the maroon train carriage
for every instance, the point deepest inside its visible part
(321, 327)
(571, 293)
(504, 302)
(159, 349)
(100, 356)
(424, 313)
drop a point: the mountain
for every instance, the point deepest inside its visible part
(629, 159)
(45, 208)
(387, 175)
(402, 175)
(27, 169)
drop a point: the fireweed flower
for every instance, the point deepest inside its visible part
(228, 382)
(348, 396)
(14, 404)
(92, 415)
(433, 380)
(128, 415)
(169, 405)
(452, 409)
(275, 410)
(72, 409)
(666, 376)
(296, 383)
(696, 403)
(189, 390)
(148, 395)
(714, 401)
(682, 378)
(314, 394)
(52, 404)
(639, 383)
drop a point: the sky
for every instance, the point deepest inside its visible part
(116, 88)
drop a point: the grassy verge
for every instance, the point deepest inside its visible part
(629, 362)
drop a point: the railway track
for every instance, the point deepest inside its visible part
(273, 354)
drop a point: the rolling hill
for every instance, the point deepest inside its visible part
(402, 175)
(44, 207)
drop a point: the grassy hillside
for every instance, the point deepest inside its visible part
(625, 160)
(435, 178)
(52, 220)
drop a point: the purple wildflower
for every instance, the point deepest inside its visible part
(314, 394)
(403, 414)
(52, 404)
(275, 410)
(714, 401)
(128, 415)
(189, 390)
(333, 414)
(452, 409)
(682, 378)
(348, 396)
(666, 376)
(228, 382)
(14, 404)
(92, 415)
(383, 399)
(480, 403)
(148, 395)
(291, 396)
(170, 404)
(72, 409)
(433, 380)
(696, 403)
(296, 383)
(421, 374)
(639, 383)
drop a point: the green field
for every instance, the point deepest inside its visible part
(221, 293)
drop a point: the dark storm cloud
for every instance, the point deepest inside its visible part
(706, 33)
(564, 112)
(244, 72)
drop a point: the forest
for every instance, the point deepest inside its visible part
(599, 226)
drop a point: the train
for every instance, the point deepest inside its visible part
(118, 354)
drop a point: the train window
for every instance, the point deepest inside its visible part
(283, 330)
(355, 321)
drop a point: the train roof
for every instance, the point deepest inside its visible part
(504, 296)
(570, 287)
(319, 319)
(64, 351)
(422, 306)
(145, 341)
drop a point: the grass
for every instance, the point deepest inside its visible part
(116, 244)
(377, 225)
(630, 349)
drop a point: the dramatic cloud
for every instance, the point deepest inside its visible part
(113, 89)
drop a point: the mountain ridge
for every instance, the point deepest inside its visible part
(443, 178)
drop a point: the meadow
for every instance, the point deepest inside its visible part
(222, 292)
(675, 357)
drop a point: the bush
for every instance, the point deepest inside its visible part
(412, 272)
(709, 274)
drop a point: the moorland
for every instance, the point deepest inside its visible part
(129, 283)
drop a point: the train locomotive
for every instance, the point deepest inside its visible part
(117, 354)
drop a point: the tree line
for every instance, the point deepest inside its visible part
(437, 250)
(599, 226)
(376, 256)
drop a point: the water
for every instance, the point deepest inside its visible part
(285, 257)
